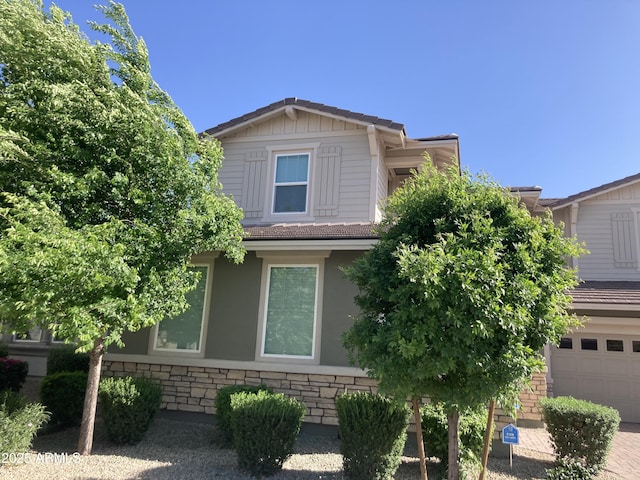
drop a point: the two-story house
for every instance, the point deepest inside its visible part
(601, 361)
(311, 180)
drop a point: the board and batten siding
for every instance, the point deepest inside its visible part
(282, 126)
(340, 176)
(609, 228)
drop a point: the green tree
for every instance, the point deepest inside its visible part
(106, 190)
(460, 295)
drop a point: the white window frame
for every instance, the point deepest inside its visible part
(299, 183)
(285, 259)
(276, 151)
(178, 352)
(40, 339)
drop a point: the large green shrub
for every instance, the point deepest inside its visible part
(373, 431)
(63, 395)
(128, 407)
(13, 373)
(4, 350)
(19, 422)
(473, 424)
(63, 358)
(223, 410)
(580, 430)
(265, 427)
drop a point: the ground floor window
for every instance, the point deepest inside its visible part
(185, 332)
(289, 324)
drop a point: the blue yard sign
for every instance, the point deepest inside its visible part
(510, 435)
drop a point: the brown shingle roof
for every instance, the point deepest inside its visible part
(595, 191)
(312, 231)
(361, 117)
(603, 292)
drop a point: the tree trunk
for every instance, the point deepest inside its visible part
(85, 442)
(453, 418)
(418, 419)
(487, 440)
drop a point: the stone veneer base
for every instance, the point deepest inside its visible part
(194, 389)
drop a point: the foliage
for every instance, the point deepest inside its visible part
(19, 422)
(63, 395)
(13, 373)
(106, 190)
(4, 350)
(128, 407)
(373, 431)
(265, 427)
(465, 284)
(580, 430)
(473, 423)
(224, 412)
(64, 358)
(570, 469)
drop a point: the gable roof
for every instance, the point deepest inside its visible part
(282, 105)
(592, 192)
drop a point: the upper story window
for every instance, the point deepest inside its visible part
(290, 194)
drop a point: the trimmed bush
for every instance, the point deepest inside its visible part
(265, 427)
(19, 422)
(568, 469)
(580, 430)
(13, 373)
(63, 395)
(128, 407)
(373, 431)
(223, 410)
(4, 350)
(64, 358)
(471, 430)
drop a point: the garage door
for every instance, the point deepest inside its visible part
(604, 369)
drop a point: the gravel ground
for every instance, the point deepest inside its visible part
(178, 449)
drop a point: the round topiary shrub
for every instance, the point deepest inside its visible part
(19, 422)
(64, 358)
(63, 395)
(373, 431)
(265, 427)
(580, 430)
(223, 410)
(128, 407)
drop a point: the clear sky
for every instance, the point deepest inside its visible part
(541, 92)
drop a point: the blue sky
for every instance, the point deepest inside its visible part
(541, 92)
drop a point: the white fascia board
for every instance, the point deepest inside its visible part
(279, 245)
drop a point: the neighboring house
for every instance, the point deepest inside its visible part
(601, 361)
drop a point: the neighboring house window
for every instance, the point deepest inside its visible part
(185, 332)
(290, 308)
(33, 335)
(291, 184)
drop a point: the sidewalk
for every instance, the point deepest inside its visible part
(624, 459)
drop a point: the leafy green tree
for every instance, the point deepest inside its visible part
(460, 295)
(106, 190)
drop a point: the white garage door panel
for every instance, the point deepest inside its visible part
(607, 377)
